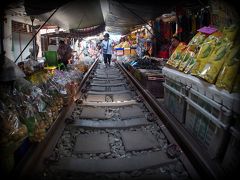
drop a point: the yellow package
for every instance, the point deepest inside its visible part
(190, 65)
(175, 58)
(230, 68)
(230, 32)
(215, 61)
(196, 41)
(216, 36)
(186, 59)
(202, 57)
(126, 45)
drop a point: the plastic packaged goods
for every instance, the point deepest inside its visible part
(175, 58)
(211, 68)
(186, 59)
(190, 65)
(231, 32)
(196, 41)
(202, 57)
(12, 130)
(230, 69)
(205, 51)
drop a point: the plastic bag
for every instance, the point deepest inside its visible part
(186, 59)
(230, 69)
(202, 57)
(230, 32)
(214, 63)
(36, 127)
(11, 129)
(175, 58)
(196, 41)
(190, 65)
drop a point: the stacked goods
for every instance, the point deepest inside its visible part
(205, 51)
(12, 132)
(175, 58)
(187, 58)
(212, 57)
(212, 67)
(230, 69)
(196, 41)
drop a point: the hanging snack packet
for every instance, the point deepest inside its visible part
(214, 63)
(230, 69)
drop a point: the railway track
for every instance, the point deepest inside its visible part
(110, 132)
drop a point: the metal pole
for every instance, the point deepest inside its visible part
(36, 34)
(2, 53)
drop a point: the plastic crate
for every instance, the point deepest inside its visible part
(231, 159)
(175, 75)
(218, 111)
(230, 100)
(182, 88)
(175, 102)
(209, 131)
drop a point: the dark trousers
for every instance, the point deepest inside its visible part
(107, 58)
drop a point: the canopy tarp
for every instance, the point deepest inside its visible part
(118, 15)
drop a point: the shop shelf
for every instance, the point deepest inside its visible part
(218, 111)
(231, 158)
(182, 88)
(175, 102)
(175, 75)
(209, 131)
(230, 100)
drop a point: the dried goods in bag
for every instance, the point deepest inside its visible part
(12, 130)
(175, 58)
(186, 59)
(213, 65)
(230, 69)
(202, 57)
(231, 32)
(190, 65)
(196, 41)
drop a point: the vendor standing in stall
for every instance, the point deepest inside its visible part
(107, 49)
(64, 53)
(174, 43)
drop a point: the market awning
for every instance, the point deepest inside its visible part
(74, 14)
(118, 15)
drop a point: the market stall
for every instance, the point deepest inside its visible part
(202, 79)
